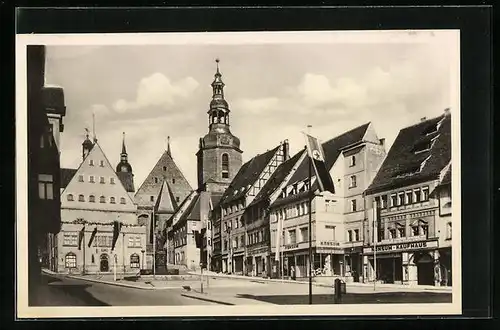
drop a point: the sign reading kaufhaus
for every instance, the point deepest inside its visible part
(403, 246)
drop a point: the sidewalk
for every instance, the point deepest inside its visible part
(328, 282)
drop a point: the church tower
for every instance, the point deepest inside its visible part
(219, 154)
(123, 166)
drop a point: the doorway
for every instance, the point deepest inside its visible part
(425, 269)
(104, 264)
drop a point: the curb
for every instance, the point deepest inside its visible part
(354, 284)
(220, 302)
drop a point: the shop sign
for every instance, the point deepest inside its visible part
(328, 243)
(291, 246)
(403, 246)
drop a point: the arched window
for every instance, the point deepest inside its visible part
(112, 200)
(225, 166)
(70, 260)
(70, 197)
(102, 199)
(92, 198)
(81, 198)
(134, 261)
(122, 200)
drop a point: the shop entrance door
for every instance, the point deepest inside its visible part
(425, 270)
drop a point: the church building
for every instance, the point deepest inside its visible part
(93, 197)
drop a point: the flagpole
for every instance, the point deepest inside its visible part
(375, 236)
(84, 248)
(310, 232)
(154, 244)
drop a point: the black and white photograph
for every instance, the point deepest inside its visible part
(238, 173)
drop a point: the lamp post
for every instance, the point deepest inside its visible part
(142, 251)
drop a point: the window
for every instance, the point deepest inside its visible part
(70, 260)
(101, 179)
(122, 200)
(112, 200)
(292, 239)
(93, 259)
(417, 195)
(173, 180)
(384, 201)
(392, 233)
(409, 197)
(415, 230)
(134, 261)
(225, 166)
(112, 180)
(304, 234)
(156, 180)
(448, 230)
(70, 197)
(102, 199)
(177, 199)
(356, 235)
(425, 230)
(353, 161)
(91, 162)
(425, 194)
(242, 240)
(151, 198)
(394, 200)
(80, 178)
(92, 198)
(70, 240)
(401, 231)
(81, 198)
(209, 242)
(101, 163)
(164, 168)
(401, 199)
(45, 186)
(225, 244)
(353, 181)
(332, 229)
(353, 205)
(349, 235)
(91, 179)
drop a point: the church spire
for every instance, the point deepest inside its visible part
(93, 127)
(218, 84)
(218, 114)
(123, 165)
(168, 146)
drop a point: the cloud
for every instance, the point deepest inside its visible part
(157, 90)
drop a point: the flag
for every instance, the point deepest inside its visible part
(117, 226)
(92, 236)
(316, 154)
(81, 234)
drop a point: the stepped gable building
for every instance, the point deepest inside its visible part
(45, 112)
(412, 192)
(219, 154)
(256, 215)
(353, 159)
(93, 196)
(229, 235)
(164, 171)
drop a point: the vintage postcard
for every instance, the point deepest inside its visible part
(238, 174)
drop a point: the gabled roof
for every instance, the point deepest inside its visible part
(247, 175)
(165, 202)
(277, 178)
(66, 175)
(332, 149)
(409, 161)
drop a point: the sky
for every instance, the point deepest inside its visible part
(274, 91)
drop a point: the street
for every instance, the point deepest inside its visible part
(62, 291)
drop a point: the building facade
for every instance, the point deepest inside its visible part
(45, 111)
(409, 242)
(93, 197)
(336, 219)
(165, 171)
(228, 217)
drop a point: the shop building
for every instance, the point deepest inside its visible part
(337, 219)
(405, 223)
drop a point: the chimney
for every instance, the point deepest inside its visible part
(423, 119)
(286, 150)
(382, 142)
(447, 111)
